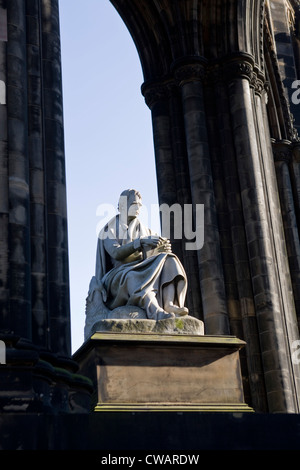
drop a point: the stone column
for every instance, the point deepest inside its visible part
(172, 174)
(184, 198)
(283, 155)
(38, 202)
(244, 313)
(215, 125)
(39, 373)
(157, 99)
(189, 78)
(279, 232)
(57, 243)
(19, 200)
(295, 178)
(262, 253)
(4, 201)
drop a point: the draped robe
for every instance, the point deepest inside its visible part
(139, 279)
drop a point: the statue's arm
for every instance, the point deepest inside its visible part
(121, 252)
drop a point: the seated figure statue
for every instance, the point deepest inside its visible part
(136, 267)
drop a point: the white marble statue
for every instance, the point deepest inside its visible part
(137, 275)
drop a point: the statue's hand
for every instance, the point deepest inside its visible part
(162, 245)
(165, 246)
(151, 241)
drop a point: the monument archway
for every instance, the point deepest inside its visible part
(223, 137)
(206, 66)
(213, 103)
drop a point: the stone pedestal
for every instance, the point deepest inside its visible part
(150, 372)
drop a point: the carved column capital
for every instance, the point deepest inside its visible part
(282, 151)
(238, 67)
(243, 70)
(154, 92)
(189, 71)
(296, 152)
(230, 70)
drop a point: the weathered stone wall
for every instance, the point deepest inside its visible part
(34, 247)
(34, 280)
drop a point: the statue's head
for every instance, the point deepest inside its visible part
(130, 202)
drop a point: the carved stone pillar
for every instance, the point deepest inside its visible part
(285, 277)
(34, 291)
(38, 200)
(189, 77)
(57, 236)
(4, 202)
(262, 254)
(34, 326)
(164, 100)
(295, 178)
(18, 173)
(241, 308)
(157, 98)
(283, 157)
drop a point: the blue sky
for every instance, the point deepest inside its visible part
(108, 133)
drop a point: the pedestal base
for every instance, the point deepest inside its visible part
(148, 372)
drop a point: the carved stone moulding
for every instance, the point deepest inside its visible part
(191, 69)
(236, 66)
(182, 71)
(157, 90)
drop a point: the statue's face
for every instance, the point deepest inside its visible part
(134, 208)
